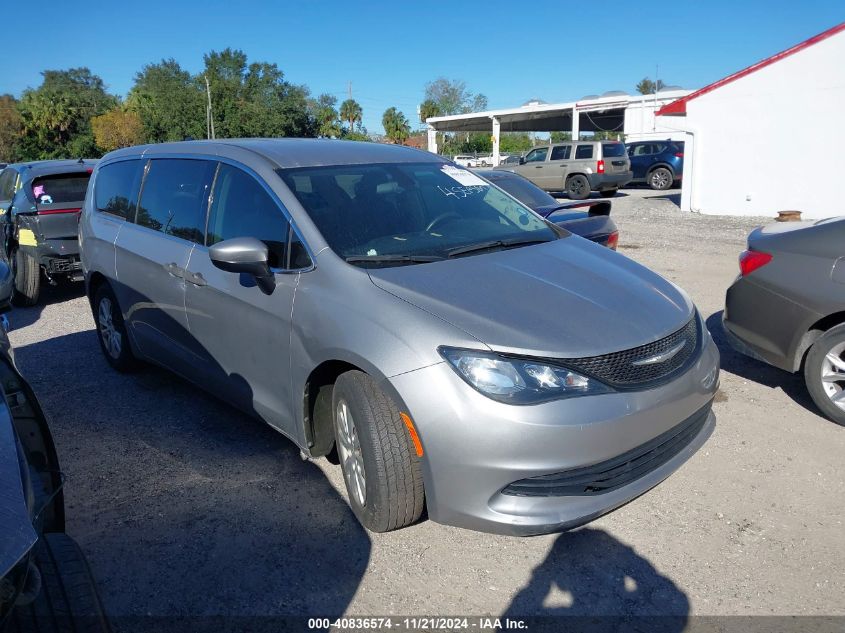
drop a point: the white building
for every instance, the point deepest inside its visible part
(767, 138)
(630, 115)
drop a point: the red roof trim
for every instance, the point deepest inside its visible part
(679, 107)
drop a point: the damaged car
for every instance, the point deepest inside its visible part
(39, 212)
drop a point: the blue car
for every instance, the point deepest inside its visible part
(659, 164)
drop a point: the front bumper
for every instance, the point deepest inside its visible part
(610, 180)
(476, 447)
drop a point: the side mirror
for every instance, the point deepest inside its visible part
(245, 255)
(522, 160)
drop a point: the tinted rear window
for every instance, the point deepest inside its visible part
(116, 188)
(60, 189)
(613, 150)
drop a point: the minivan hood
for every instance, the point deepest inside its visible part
(567, 298)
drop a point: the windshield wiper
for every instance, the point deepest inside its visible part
(394, 259)
(486, 246)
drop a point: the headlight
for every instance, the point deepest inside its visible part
(518, 381)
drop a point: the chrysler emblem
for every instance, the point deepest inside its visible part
(661, 357)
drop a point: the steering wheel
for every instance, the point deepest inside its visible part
(439, 219)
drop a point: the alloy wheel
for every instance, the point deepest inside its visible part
(660, 179)
(349, 451)
(112, 339)
(833, 375)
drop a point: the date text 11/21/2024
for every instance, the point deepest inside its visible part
(418, 623)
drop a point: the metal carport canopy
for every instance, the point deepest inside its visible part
(556, 117)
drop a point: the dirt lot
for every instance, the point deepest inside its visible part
(186, 507)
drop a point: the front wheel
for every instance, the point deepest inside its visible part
(578, 187)
(824, 373)
(111, 330)
(27, 279)
(660, 179)
(379, 461)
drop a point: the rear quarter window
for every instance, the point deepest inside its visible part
(583, 151)
(116, 188)
(613, 150)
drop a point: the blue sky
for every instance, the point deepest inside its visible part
(510, 51)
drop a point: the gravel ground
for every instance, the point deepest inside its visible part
(186, 507)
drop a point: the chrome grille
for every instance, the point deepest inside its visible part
(641, 365)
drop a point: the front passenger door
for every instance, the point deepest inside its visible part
(244, 334)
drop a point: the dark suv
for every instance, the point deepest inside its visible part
(39, 215)
(659, 164)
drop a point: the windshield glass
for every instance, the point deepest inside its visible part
(523, 190)
(409, 209)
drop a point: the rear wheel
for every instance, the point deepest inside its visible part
(824, 373)
(111, 330)
(578, 187)
(27, 279)
(379, 463)
(608, 193)
(660, 179)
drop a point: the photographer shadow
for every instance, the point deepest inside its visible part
(599, 584)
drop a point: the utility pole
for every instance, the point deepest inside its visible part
(209, 117)
(350, 90)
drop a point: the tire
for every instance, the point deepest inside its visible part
(27, 279)
(68, 599)
(827, 358)
(372, 439)
(111, 330)
(578, 187)
(608, 193)
(660, 179)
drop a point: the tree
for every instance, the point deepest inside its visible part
(452, 97)
(396, 126)
(117, 128)
(351, 112)
(559, 137)
(254, 99)
(57, 115)
(428, 109)
(514, 143)
(326, 117)
(649, 87)
(11, 128)
(169, 102)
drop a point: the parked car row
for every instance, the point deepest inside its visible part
(579, 168)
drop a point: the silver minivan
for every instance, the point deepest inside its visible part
(385, 307)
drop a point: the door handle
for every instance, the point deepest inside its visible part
(195, 278)
(173, 270)
(538, 167)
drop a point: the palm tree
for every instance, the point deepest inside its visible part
(396, 126)
(350, 111)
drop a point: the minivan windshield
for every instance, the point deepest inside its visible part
(400, 213)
